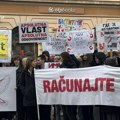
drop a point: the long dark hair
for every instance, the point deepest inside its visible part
(75, 60)
(46, 53)
(17, 58)
(66, 57)
(29, 61)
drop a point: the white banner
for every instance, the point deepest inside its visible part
(5, 46)
(84, 86)
(54, 45)
(108, 36)
(80, 42)
(7, 89)
(33, 32)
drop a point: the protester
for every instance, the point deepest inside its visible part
(77, 62)
(110, 112)
(112, 62)
(39, 62)
(100, 58)
(86, 60)
(69, 111)
(85, 112)
(47, 56)
(44, 110)
(27, 86)
(57, 58)
(17, 62)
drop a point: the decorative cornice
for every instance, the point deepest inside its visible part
(72, 2)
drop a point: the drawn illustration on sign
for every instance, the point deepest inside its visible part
(4, 83)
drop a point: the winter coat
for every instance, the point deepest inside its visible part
(27, 87)
(18, 75)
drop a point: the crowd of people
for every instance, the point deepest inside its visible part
(27, 108)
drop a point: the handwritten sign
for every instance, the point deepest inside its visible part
(108, 36)
(54, 46)
(80, 42)
(65, 25)
(71, 24)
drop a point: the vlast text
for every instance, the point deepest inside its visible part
(34, 28)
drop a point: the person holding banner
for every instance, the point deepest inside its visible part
(27, 86)
(17, 62)
(100, 59)
(39, 62)
(110, 112)
(69, 111)
(85, 60)
(44, 110)
(85, 112)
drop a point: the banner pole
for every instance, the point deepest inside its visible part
(38, 112)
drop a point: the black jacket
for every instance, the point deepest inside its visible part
(27, 87)
(18, 75)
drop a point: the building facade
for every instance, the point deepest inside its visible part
(92, 12)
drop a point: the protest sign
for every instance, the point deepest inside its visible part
(80, 42)
(51, 65)
(108, 36)
(54, 45)
(5, 46)
(71, 24)
(7, 89)
(33, 32)
(65, 25)
(83, 86)
(61, 32)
